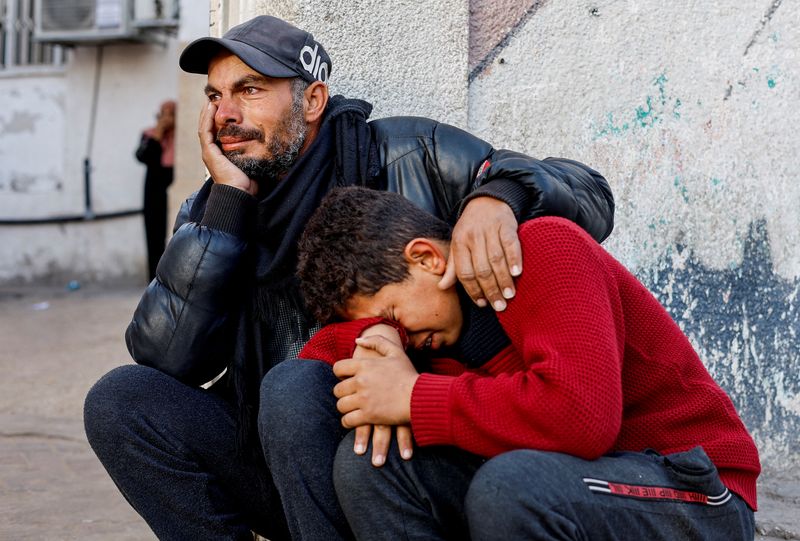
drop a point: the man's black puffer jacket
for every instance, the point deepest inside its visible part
(181, 324)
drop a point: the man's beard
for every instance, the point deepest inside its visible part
(282, 148)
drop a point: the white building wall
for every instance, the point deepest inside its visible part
(404, 57)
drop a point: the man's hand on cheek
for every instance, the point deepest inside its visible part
(485, 252)
(375, 391)
(221, 169)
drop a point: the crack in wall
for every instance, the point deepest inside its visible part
(506, 39)
(766, 18)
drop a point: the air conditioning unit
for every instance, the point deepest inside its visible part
(88, 21)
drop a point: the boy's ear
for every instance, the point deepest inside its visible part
(427, 254)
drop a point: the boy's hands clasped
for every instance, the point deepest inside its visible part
(376, 390)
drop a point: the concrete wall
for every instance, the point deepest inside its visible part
(405, 57)
(687, 107)
(47, 128)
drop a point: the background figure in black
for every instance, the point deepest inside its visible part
(157, 151)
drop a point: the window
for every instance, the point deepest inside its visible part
(17, 46)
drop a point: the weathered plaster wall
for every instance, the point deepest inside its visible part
(31, 167)
(405, 57)
(687, 107)
(45, 139)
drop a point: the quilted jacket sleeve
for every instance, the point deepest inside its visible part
(441, 168)
(531, 187)
(183, 321)
(549, 187)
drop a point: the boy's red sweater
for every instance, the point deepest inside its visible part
(595, 365)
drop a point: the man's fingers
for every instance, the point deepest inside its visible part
(381, 438)
(486, 250)
(449, 278)
(205, 128)
(486, 257)
(462, 259)
(512, 248)
(504, 254)
(362, 439)
(405, 441)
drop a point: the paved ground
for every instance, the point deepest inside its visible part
(53, 345)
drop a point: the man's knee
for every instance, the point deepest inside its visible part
(115, 397)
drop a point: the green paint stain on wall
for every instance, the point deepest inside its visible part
(771, 82)
(611, 127)
(716, 181)
(675, 112)
(647, 115)
(681, 189)
(661, 82)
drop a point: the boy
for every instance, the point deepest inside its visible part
(598, 419)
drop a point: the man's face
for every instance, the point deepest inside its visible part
(259, 126)
(432, 317)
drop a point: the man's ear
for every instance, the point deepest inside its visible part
(428, 254)
(315, 101)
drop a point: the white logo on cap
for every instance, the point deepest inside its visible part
(314, 66)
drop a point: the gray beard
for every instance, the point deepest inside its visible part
(282, 148)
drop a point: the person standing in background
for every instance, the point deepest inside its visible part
(157, 152)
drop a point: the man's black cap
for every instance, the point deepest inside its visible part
(269, 45)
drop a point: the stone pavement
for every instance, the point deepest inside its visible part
(53, 345)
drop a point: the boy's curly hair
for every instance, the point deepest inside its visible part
(354, 243)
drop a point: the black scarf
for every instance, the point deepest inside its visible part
(342, 154)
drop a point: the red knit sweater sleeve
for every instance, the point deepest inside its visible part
(336, 341)
(559, 386)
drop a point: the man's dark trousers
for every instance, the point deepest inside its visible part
(170, 449)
